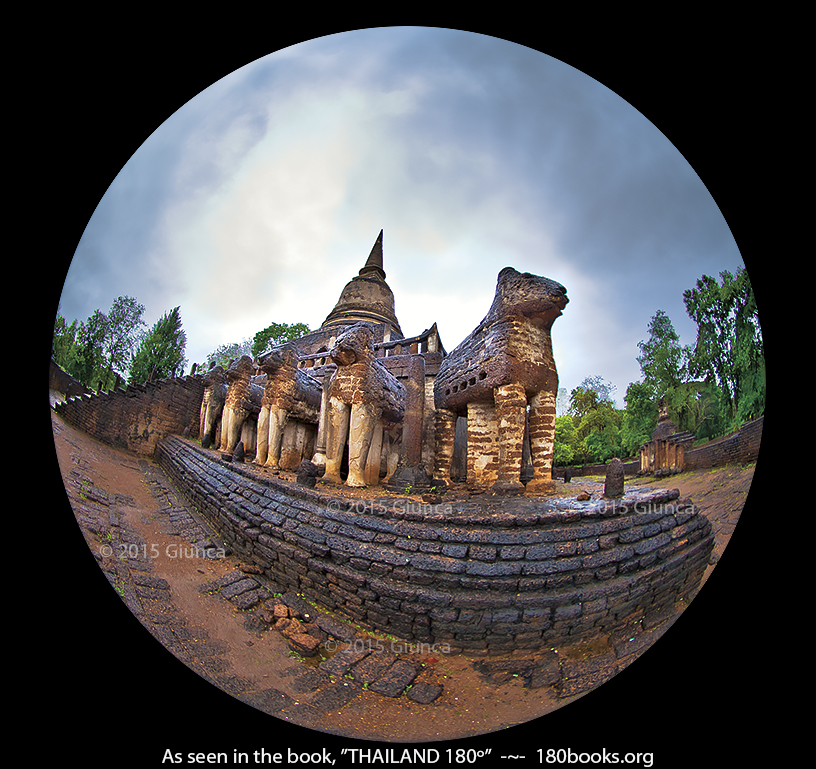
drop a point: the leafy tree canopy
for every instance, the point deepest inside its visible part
(275, 334)
(662, 359)
(729, 349)
(160, 353)
(97, 351)
(224, 354)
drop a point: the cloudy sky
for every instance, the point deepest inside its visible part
(260, 198)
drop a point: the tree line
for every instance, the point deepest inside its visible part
(113, 348)
(708, 388)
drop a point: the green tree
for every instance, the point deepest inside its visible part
(90, 364)
(662, 359)
(160, 353)
(665, 364)
(63, 345)
(566, 443)
(224, 353)
(122, 333)
(599, 431)
(275, 334)
(704, 413)
(592, 391)
(597, 422)
(729, 349)
(639, 418)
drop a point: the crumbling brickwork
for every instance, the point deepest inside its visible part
(482, 576)
(136, 418)
(737, 448)
(505, 365)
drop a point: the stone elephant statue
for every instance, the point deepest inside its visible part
(361, 395)
(242, 402)
(289, 394)
(212, 404)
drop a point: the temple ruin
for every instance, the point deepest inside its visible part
(665, 453)
(508, 565)
(390, 407)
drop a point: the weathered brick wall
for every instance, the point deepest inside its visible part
(630, 467)
(62, 382)
(136, 418)
(738, 448)
(478, 576)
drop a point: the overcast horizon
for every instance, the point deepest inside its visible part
(258, 200)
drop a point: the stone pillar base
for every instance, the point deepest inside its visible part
(540, 487)
(412, 480)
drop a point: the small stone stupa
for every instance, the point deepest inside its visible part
(665, 453)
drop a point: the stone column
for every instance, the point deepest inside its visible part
(277, 421)
(249, 436)
(511, 415)
(414, 411)
(371, 474)
(445, 429)
(482, 445)
(337, 429)
(292, 445)
(319, 457)
(263, 436)
(458, 470)
(362, 421)
(542, 440)
(410, 471)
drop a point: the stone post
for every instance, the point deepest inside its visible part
(614, 482)
(414, 411)
(410, 471)
(320, 441)
(371, 474)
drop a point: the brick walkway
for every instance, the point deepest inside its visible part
(292, 660)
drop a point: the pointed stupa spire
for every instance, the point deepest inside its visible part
(367, 297)
(374, 263)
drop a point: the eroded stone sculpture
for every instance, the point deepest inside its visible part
(504, 366)
(289, 394)
(363, 398)
(212, 404)
(243, 400)
(614, 481)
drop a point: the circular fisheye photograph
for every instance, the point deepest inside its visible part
(407, 385)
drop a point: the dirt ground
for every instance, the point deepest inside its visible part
(121, 504)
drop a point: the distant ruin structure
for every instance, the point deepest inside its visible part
(665, 453)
